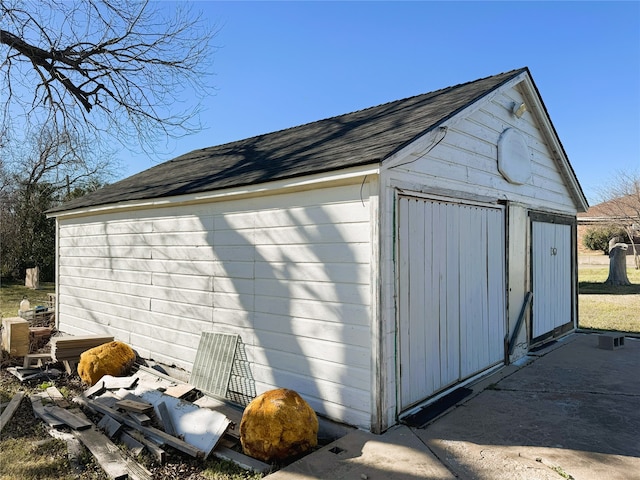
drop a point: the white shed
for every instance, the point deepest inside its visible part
(371, 261)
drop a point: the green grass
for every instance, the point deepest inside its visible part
(592, 280)
(11, 294)
(34, 458)
(602, 307)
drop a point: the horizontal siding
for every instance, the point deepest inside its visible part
(466, 160)
(289, 273)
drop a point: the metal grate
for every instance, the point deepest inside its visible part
(214, 361)
(242, 386)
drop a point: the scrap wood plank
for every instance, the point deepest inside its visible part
(109, 426)
(70, 347)
(148, 431)
(71, 419)
(140, 418)
(180, 391)
(132, 444)
(116, 383)
(38, 409)
(166, 419)
(35, 356)
(10, 409)
(96, 389)
(134, 406)
(105, 452)
(107, 399)
(110, 458)
(57, 397)
(74, 449)
(154, 449)
(69, 366)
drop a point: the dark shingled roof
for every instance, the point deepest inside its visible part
(360, 138)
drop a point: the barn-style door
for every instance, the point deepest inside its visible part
(552, 276)
(451, 305)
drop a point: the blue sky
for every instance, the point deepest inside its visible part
(281, 64)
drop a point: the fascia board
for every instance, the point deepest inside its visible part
(537, 108)
(338, 177)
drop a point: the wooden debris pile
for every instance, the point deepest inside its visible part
(55, 411)
(148, 411)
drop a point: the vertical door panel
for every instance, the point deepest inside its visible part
(451, 294)
(551, 264)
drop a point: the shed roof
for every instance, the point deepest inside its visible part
(360, 138)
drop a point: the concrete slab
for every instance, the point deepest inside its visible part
(398, 454)
(571, 411)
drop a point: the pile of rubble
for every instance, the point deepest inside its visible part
(145, 409)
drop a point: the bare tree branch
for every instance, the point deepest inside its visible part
(116, 68)
(621, 204)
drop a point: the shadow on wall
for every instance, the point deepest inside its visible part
(303, 310)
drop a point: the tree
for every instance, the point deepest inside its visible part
(597, 238)
(618, 265)
(621, 205)
(100, 70)
(42, 173)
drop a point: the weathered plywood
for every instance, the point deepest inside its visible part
(199, 427)
(150, 431)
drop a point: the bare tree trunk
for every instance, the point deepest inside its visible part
(618, 265)
(630, 233)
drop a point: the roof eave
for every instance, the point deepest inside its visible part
(336, 177)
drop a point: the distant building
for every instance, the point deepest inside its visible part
(619, 211)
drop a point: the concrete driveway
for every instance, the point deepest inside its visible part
(572, 411)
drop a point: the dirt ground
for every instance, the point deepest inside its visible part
(32, 434)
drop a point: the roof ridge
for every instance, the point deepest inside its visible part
(361, 137)
(514, 72)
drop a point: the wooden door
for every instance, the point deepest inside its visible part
(451, 309)
(552, 274)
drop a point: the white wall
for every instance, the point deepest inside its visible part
(465, 161)
(289, 273)
(463, 165)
